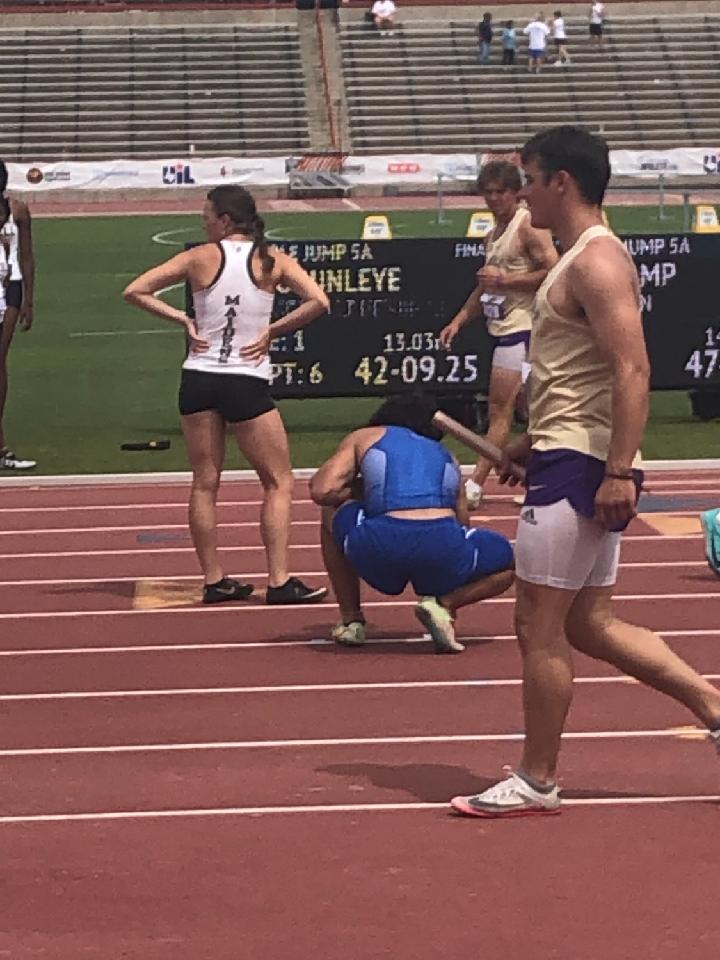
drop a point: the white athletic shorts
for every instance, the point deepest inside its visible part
(558, 547)
(510, 358)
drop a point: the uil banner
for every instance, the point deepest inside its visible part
(355, 171)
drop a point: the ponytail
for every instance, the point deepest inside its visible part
(257, 232)
(3, 178)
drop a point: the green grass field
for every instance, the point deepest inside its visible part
(95, 372)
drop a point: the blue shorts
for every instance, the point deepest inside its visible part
(537, 54)
(435, 556)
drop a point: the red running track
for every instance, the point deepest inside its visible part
(188, 782)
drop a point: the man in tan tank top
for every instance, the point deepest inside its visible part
(517, 260)
(589, 389)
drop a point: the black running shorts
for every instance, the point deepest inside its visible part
(234, 396)
(14, 294)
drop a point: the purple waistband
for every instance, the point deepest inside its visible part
(510, 339)
(554, 475)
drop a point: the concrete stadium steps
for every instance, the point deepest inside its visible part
(654, 85)
(139, 92)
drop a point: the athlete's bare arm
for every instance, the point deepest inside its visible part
(190, 265)
(470, 310)
(27, 261)
(540, 251)
(336, 480)
(287, 272)
(605, 285)
(461, 507)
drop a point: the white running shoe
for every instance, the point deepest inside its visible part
(440, 625)
(473, 493)
(350, 634)
(519, 500)
(715, 738)
(10, 461)
(513, 797)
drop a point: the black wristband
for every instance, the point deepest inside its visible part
(628, 475)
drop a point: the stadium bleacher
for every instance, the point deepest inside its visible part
(245, 86)
(142, 91)
(422, 88)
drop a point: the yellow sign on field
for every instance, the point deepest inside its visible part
(482, 222)
(376, 227)
(706, 219)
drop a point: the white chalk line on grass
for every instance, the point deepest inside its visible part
(271, 644)
(333, 808)
(122, 333)
(162, 237)
(298, 688)
(341, 742)
(261, 575)
(240, 608)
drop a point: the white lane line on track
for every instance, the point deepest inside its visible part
(135, 551)
(133, 528)
(475, 521)
(332, 808)
(337, 742)
(297, 688)
(109, 507)
(262, 575)
(247, 607)
(177, 504)
(270, 644)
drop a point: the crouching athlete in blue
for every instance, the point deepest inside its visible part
(394, 512)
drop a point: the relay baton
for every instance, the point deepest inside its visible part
(476, 443)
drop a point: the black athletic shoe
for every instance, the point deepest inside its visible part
(226, 589)
(295, 591)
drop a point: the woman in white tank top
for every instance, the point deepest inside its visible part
(16, 296)
(225, 377)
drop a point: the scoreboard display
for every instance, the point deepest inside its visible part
(390, 299)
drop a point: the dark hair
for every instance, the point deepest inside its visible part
(4, 209)
(487, 17)
(3, 177)
(413, 411)
(502, 172)
(509, 24)
(558, 13)
(585, 156)
(237, 203)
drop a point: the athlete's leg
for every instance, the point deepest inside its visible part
(557, 551)
(504, 387)
(477, 590)
(540, 613)
(7, 329)
(344, 579)
(638, 652)
(205, 442)
(263, 441)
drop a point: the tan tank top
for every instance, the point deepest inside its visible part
(570, 383)
(511, 312)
